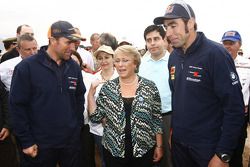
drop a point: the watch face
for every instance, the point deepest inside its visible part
(225, 158)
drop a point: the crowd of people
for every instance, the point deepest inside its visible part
(183, 102)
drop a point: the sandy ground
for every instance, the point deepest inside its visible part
(246, 154)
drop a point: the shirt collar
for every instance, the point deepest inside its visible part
(164, 58)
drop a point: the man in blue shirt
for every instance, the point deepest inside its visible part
(47, 102)
(154, 66)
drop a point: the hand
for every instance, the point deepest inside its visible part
(216, 162)
(104, 120)
(170, 139)
(158, 153)
(4, 133)
(31, 151)
(94, 85)
(86, 68)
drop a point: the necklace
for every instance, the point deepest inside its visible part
(103, 78)
(107, 78)
(129, 83)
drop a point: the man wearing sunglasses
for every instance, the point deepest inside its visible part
(207, 103)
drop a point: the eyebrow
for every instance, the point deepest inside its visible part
(171, 22)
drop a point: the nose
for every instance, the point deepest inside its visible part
(169, 32)
(72, 46)
(118, 64)
(152, 42)
(33, 51)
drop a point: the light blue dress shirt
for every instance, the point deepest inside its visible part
(157, 71)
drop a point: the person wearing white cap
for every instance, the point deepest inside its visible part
(207, 102)
(105, 58)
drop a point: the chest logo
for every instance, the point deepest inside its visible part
(234, 78)
(172, 72)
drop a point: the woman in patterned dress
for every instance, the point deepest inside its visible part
(130, 108)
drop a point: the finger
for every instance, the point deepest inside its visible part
(34, 154)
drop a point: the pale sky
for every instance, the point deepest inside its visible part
(123, 18)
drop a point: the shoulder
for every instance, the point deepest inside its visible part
(146, 82)
(10, 62)
(84, 53)
(242, 61)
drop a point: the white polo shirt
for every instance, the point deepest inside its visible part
(242, 65)
(6, 70)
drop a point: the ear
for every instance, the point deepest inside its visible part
(18, 49)
(52, 40)
(191, 23)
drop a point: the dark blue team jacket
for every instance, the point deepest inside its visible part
(208, 109)
(46, 102)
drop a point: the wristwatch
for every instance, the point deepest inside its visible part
(224, 157)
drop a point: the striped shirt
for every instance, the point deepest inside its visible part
(146, 120)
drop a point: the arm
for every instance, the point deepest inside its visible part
(228, 90)
(216, 162)
(20, 98)
(5, 112)
(91, 99)
(80, 98)
(158, 152)
(157, 119)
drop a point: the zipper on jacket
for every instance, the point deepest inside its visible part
(183, 57)
(182, 64)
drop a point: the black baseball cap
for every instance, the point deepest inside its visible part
(64, 29)
(175, 11)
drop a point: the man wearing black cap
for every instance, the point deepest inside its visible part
(207, 103)
(9, 43)
(46, 102)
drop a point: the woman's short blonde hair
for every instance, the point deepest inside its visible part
(132, 52)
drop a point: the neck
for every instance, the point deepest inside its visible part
(190, 40)
(53, 56)
(234, 56)
(158, 57)
(128, 81)
(107, 74)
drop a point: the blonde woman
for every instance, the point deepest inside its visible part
(131, 108)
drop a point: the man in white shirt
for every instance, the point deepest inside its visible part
(26, 46)
(232, 42)
(85, 55)
(22, 29)
(154, 66)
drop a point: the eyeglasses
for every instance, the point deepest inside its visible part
(184, 5)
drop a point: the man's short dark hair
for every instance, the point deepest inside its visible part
(19, 28)
(109, 40)
(24, 37)
(92, 37)
(157, 28)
